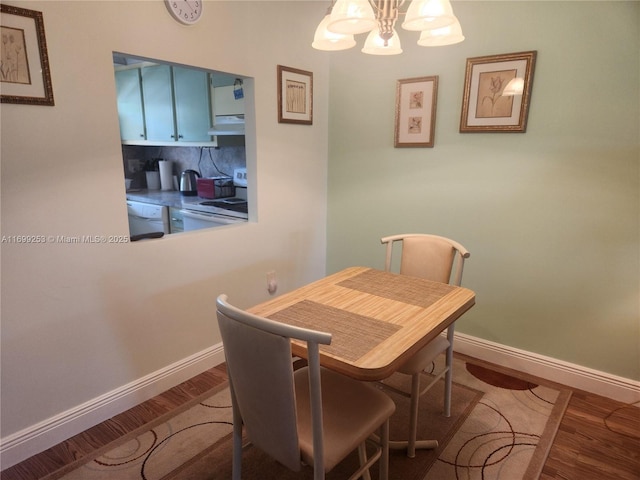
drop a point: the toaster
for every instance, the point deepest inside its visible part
(215, 187)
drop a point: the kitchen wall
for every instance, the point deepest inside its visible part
(85, 324)
(208, 161)
(551, 216)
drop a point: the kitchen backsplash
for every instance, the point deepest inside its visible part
(208, 161)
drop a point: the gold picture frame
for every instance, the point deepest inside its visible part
(416, 101)
(24, 76)
(295, 96)
(484, 107)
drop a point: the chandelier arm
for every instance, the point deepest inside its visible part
(386, 12)
(398, 4)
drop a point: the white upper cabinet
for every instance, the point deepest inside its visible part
(226, 103)
(158, 103)
(130, 111)
(163, 104)
(192, 103)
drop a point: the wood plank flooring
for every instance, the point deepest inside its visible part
(598, 438)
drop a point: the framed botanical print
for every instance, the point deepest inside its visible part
(24, 68)
(295, 96)
(416, 100)
(489, 102)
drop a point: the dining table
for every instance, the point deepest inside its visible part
(377, 319)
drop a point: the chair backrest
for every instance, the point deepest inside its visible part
(428, 256)
(258, 355)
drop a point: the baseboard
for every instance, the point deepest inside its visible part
(575, 376)
(28, 442)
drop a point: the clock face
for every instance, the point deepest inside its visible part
(185, 11)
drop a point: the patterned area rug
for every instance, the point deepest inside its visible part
(501, 427)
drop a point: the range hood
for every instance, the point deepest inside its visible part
(227, 125)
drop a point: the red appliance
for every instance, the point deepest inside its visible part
(215, 187)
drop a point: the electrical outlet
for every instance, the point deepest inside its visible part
(272, 282)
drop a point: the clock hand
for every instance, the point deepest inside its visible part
(188, 4)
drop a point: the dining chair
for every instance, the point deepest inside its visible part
(442, 260)
(312, 415)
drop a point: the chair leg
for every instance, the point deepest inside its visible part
(384, 457)
(236, 468)
(448, 379)
(362, 455)
(413, 414)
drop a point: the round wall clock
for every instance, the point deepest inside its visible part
(185, 11)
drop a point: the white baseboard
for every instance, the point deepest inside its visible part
(571, 375)
(32, 440)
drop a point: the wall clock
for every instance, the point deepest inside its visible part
(185, 11)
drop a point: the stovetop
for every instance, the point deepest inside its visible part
(232, 207)
(234, 204)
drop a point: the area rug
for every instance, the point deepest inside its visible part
(501, 427)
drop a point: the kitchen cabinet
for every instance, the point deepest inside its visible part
(225, 102)
(129, 97)
(176, 220)
(193, 114)
(228, 123)
(176, 104)
(158, 103)
(164, 105)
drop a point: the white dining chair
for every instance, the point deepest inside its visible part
(310, 416)
(442, 260)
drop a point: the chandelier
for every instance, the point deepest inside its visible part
(346, 18)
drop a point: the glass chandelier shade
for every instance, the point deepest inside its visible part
(439, 37)
(326, 40)
(376, 45)
(428, 14)
(349, 17)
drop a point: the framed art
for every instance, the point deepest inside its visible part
(295, 96)
(486, 106)
(24, 72)
(416, 112)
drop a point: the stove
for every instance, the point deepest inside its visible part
(231, 207)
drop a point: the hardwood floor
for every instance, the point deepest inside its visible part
(598, 438)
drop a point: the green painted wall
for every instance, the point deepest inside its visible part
(551, 216)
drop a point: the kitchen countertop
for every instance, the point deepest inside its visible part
(170, 198)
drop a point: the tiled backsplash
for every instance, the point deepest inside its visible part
(208, 161)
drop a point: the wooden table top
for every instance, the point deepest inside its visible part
(377, 319)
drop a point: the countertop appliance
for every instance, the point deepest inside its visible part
(145, 218)
(188, 183)
(215, 187)
(240, 177)
(199, 214)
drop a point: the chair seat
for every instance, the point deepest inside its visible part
(348, 421)
(424, 357)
